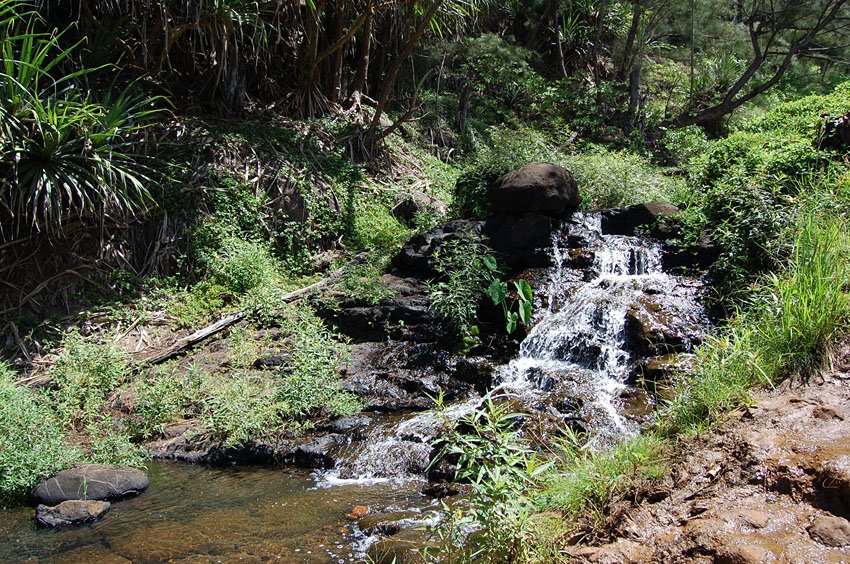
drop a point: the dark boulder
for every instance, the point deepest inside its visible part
(417, 255)
(522, 241)
(539, 188)
(404, 315)
(347, 423)
(318, 453)
(410, 204)
(71, 512)
(91, 481)
(659, 220)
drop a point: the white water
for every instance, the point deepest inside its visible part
(579, 347)
(576, 350)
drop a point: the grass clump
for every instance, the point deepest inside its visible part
(605, 178)
(585, 480)
(785, 330)
(33, 441)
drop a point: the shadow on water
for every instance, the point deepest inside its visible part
(201, 514)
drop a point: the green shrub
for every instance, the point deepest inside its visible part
(160, 399)
(613, 179)
(605, 178)
(468, 270)
(109, 446)
(239, 407)
(505, 150)
(311, 383)
(503, 470)
(804, 116)
(376, 229)
(241, 265)
(362, 280)
(585, 479)
(85, 373)
(33, 443)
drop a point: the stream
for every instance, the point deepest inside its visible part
(203, 514)
(595, 324)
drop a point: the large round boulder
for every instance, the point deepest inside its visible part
(540, 188)
(91, 481)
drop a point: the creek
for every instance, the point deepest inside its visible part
(604, 309)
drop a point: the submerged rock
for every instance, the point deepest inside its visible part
(71, 512)
(91, 481)
(540, 188)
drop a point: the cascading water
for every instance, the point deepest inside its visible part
(579, 349)
(575, 362)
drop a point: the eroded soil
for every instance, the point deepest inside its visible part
(772, 486)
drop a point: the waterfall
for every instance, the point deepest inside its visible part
(579, 345)
(575, 361)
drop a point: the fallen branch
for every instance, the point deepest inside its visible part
(185, 343)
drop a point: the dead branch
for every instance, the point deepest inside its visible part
(185, 343)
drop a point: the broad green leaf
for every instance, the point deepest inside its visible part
(524, 290)
(490, 263)
(525, 312)
(511, 322)
(497, 291)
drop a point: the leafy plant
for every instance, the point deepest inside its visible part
(468, 269)
(524, 300)
(503, 470)
(64, 152)
(85, 373)
(33, 443)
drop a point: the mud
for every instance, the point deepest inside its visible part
(773, 485)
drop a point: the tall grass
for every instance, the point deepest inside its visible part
(785, 330)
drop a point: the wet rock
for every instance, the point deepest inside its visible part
(651, 330)
(401, 375)
(538, 188)
(249, 452)
(831, 531)
(659, 369)
(403, 548)
(71, 512)
(347, 423)
(318, 453)
(386, 524)
(91, 481)
(409, 204)
(744, 553)
(475, 371)
(417, 255)
(521, 241)
(658, 220)
(405, 315)
(272, 359)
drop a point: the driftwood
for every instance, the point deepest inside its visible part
(185, 343)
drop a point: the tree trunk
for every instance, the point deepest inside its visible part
(373, 135)
(358, 84)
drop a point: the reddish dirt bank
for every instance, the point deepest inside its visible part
(772, 486)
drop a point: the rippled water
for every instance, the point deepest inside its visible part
(201, 514)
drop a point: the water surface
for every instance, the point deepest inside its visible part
(200, 514)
